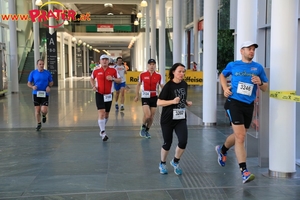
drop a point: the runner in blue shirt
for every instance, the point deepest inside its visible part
(246, 77)
(40, 81)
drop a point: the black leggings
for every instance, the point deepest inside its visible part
(180, 130)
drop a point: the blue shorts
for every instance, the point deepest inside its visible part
(118, 86)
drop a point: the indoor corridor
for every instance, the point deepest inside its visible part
(68, 160)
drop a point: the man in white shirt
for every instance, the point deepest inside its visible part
(120, 87)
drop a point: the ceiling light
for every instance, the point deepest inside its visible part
(73, 39)
(108, 5)
(87, 45)
(91, 46)
(121, 13)
(79, 41)
(144, 3)
(139, 15)
(66, 22)
(136, 22)
(110, 13)
(84, 44)
(132, 12)
(38, 2)
(106, 52)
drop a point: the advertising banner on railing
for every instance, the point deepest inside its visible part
(105, 28)
(191, 77)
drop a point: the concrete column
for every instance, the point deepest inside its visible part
(36, 37)
(87, 61)
(177, 31)
(147, 32)
(62, 57)
(162, 39)
(210, 33)
(196, 37)
(13, 51)
(51, 30)
(51, 19)
(298, 105)
(75, 63)
(84, 60)
(70, 56)
(283, 113)
(153, 29)
(245, 31)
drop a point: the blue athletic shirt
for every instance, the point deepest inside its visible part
(40, 79)
(241, 71)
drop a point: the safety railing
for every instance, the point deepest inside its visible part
(26, 50)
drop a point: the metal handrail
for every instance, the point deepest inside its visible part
(27, 49)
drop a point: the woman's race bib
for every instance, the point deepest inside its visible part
(178, 113)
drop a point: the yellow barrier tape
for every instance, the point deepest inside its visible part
(285, 95)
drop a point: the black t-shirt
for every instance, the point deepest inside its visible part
(169, 92)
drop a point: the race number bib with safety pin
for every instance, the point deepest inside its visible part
(41, 94)
(178, 113)
(145, 94)
(245, 88)
(107, 97)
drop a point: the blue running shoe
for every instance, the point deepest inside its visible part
(143, 132)
(221, 157)
(147, 135)
(247, 176)
(117, 107)
(177, 169)
(163, 168)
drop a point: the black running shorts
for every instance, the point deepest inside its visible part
(239, 112)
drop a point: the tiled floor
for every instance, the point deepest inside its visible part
(68, 160)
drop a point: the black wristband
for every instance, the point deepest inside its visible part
(261, 84)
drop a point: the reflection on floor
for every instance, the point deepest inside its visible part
(68, 160)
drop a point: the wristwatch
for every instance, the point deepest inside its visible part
(113, 79)
(261, 84)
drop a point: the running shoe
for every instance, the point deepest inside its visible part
(163, 168)
(177, 169)
(122, 108)
(147, 135)
(221, 157)
(44, 118)
(143, 132)
(103, 136)
(247, 176)
(117, 107)
(39, 127)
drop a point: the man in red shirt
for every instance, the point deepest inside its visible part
(149, 80)
(101, 81)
